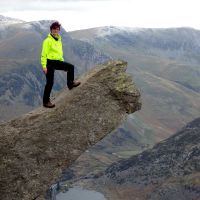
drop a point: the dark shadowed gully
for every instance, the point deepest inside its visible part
(35, 148)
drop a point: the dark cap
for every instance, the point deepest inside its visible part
(55, 25)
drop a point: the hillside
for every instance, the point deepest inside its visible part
(165, 65)
(36, 148)
(170, 171)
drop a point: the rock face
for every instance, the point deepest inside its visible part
(170, 170)
(35, 148)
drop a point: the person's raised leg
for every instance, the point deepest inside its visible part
(70, 73)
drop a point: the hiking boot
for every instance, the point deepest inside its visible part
(49, 105)
(74, 84)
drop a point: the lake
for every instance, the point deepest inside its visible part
(78, 193)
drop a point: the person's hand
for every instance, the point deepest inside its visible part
(45, 70)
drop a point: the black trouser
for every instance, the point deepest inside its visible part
(53, 65)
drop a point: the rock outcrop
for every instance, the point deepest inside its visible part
(35, 148)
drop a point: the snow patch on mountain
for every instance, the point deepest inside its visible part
(8, 20)
(111, 30)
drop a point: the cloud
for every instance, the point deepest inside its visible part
(73, 14)
(48, 5)
(20, 5)
(78, 14)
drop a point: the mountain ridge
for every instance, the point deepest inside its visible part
(9, 20)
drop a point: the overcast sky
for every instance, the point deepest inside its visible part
(81, 14)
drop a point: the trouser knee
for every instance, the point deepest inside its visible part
(70, 67)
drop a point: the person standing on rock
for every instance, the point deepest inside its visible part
(51, 60)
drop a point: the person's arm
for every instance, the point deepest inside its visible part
(44, 56)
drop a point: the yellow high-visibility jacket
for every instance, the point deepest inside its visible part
(52, 50)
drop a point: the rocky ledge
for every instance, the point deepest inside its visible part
(35, 148)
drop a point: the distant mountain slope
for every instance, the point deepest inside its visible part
(170, 170)
(162, 52)
(21, 77)
(175, 42)
(165, 65)
(9, 20)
